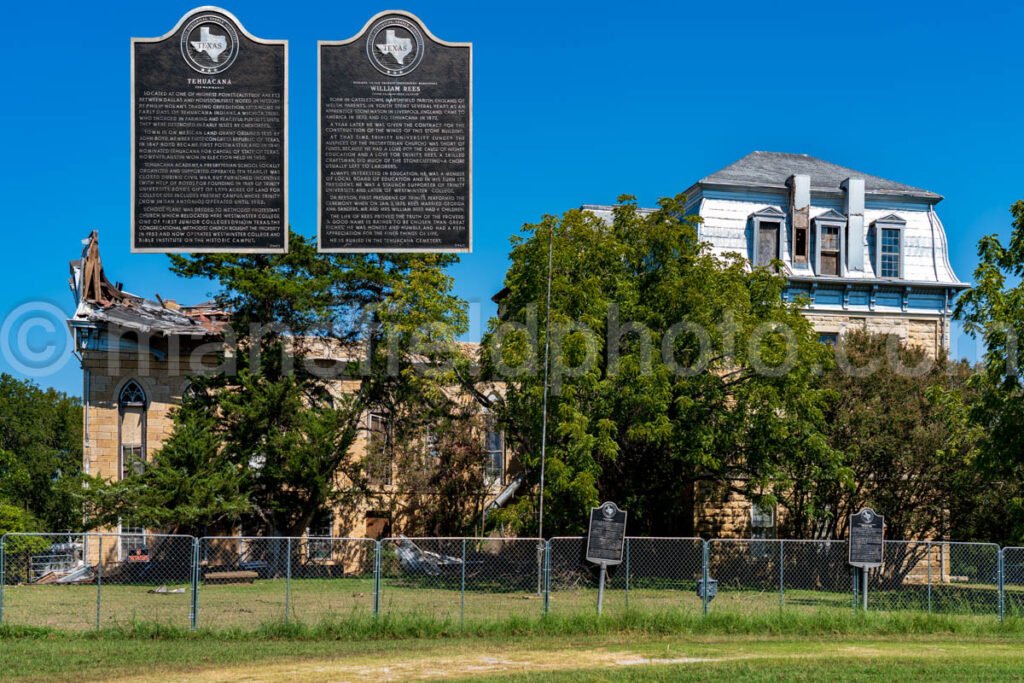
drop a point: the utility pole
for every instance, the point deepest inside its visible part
(544, 410)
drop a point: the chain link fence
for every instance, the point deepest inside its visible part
(94, 580)
(462, 579)
(82, 581)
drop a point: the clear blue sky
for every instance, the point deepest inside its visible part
(573, 103)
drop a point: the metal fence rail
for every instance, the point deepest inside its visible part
(80, 581)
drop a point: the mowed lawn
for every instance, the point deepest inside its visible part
(311, 601)
(607, 657)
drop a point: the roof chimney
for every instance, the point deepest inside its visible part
(854, 190)
(800, 212)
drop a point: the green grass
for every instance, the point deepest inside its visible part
(311, 601)
(631, 647)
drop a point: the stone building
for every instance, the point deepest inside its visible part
(136, 357)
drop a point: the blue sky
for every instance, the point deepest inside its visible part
(573, 103)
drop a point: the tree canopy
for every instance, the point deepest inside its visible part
(671, 367)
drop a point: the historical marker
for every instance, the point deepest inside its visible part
(607, 534)
(867, 539)
(209, 138)
(395, 132)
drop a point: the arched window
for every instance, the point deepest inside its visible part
(131, 437)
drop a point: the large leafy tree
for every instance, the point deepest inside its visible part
(673, 369)
(40, 455)
(892, 418)
(993, 311)
(273, 439)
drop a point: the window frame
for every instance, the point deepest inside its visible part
(897, 225)
(132, 395)
(493, 474)
(830, 219)
(386, 472)
(769, 214)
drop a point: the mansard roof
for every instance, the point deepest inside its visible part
(771, 170)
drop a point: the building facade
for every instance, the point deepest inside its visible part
(859, 251)
(137, 356)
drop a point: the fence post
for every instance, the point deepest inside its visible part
(547, 575)
(287, 579)
(782, 582)
(1001, 579)
(462, 587)
(929, 556)
(704, 569)
(627, 573)
(193, 616)
(99, 574)
(3, 576)
(376, 578)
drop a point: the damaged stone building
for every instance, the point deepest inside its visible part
(137, 356)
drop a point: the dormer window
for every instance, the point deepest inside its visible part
(767, 230)
(889, 246)
(831, 242)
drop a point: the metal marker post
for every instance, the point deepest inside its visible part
(600, 588)
(864, 592)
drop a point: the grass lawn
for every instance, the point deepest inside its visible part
(618, 656)
(310, 601)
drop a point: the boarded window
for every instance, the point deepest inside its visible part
(378, 451)
(829, 250)
(767, 243)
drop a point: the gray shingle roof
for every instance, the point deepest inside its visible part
(772, 169)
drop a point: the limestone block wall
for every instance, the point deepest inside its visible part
(929, 332)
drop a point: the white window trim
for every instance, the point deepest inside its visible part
(819, 223)
(890, 222)
(768, 214)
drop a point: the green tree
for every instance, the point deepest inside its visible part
(672, 369)
(285, 434)
(41, 453)
(190, 487)
(993, 311)
(903, 450)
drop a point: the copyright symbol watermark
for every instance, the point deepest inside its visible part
(34, 339)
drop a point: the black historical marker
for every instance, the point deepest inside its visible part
(867, 539)
(395, 130)
(209, 138)
(607, 534)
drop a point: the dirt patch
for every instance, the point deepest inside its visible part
(418, 668)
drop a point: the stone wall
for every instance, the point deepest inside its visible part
(930, 333)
